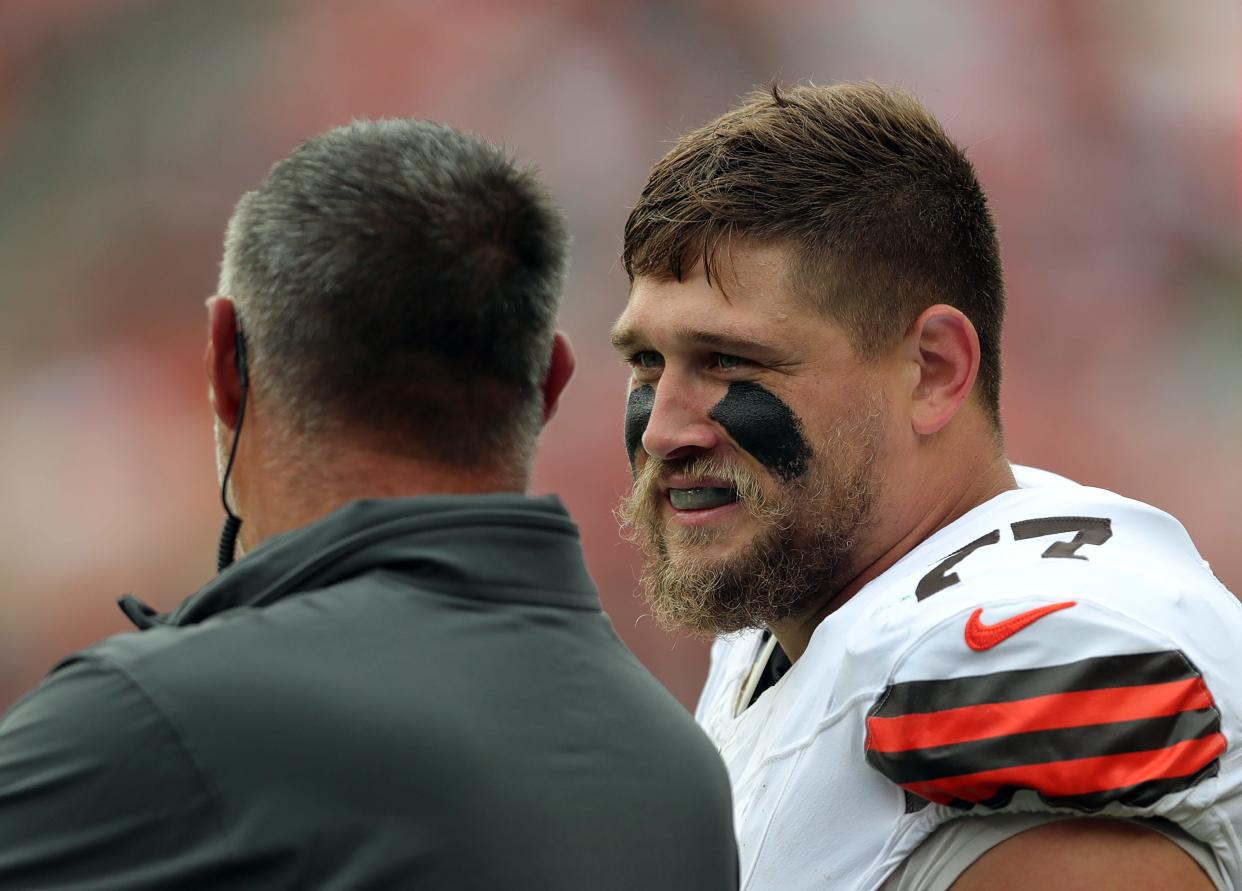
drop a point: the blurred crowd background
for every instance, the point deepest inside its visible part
(1106, 131)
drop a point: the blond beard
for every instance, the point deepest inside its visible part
(800, 555)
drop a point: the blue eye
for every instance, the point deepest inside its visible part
(728, 363)
(647, 359)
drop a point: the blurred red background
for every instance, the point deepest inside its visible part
(1106, 131)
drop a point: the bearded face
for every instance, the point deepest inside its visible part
(788, 547)
(756, 432)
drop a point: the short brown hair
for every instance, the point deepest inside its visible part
(883, 212)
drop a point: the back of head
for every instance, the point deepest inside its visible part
(398, 283)
(882, 214)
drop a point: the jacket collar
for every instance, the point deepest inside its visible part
(496, 546)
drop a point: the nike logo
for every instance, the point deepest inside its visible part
(980, 637)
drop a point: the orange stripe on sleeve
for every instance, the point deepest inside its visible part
(1080, 776)
(1052, 712)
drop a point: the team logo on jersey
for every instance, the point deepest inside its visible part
(1128, 729)
(980, 637)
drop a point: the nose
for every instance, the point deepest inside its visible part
(679, 424)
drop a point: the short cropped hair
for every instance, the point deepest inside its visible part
(401, 279)
(881, 211)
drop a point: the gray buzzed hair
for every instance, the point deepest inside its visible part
(401, 279)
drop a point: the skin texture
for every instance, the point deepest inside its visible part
(282, 482)
(929, 452)
(1085, 855)
(763, 426)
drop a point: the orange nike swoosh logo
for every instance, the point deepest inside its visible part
(980, 637)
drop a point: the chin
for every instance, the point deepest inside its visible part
(702, 544)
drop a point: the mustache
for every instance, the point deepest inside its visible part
(695, 468)
(639, 512)
(651, 478)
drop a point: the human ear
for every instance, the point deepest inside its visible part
(560, 370)
(223, 371)
(946, 349)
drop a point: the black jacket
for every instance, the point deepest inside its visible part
(409, 693)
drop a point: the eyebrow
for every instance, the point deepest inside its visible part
(624, 339)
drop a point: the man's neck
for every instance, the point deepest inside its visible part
(287, 495)
(951, 500)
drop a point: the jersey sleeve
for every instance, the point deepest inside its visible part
(96, 790)
(1060, 699)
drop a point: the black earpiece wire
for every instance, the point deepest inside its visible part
(227, 549)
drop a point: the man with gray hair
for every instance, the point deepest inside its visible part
(406, 680)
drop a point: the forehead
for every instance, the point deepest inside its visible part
(751, 300)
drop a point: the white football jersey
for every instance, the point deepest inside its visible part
(1057, 649)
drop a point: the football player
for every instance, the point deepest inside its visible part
(934, 669)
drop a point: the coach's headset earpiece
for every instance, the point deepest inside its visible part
(232, 523)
